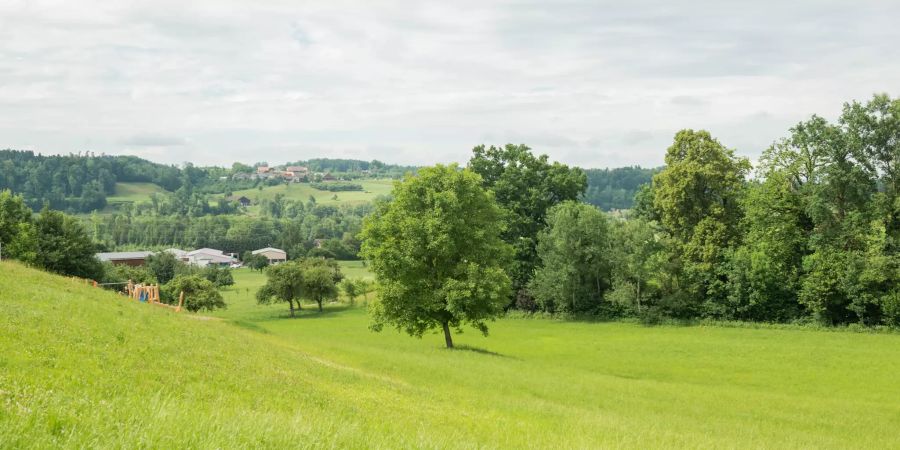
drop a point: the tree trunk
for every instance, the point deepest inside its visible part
(291, 303)
(320, 305)
(447, 337)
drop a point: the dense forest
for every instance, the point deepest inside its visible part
(611, 189)
(78, 182)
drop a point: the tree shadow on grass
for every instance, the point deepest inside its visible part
(308, 312)
(483, 351)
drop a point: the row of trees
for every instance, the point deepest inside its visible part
(814, 236)
(333, 228)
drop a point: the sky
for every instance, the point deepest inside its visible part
(590, 83)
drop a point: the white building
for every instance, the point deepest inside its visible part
(274, 255)
(209, 257)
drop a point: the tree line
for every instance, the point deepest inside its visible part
(615, 189)
(813, 236)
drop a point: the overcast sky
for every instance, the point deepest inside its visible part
(593, 83)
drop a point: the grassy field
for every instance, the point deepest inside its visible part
(302, 192)
(80, 367)
(134, 192)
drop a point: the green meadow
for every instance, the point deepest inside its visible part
(134, 192)
(85, 368)
(303, 191)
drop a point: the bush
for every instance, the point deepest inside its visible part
(218, 276)
(199, 293)
(113, 273)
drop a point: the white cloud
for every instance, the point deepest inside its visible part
(590, 83)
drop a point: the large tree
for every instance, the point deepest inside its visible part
(526, 186)
(697, 199)
(437, 253)
(574, 251)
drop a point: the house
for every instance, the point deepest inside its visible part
(243, 176)
(124, 258)
(298, 170)
(209, 257)
(329, 177)
(263, 169)
(274, 255)
(244, 201)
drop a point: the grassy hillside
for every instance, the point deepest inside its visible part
(302, 192)
(84, 368)
(134, 192)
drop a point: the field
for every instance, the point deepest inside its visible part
(80, 367)
(302, 192)
(134, 192)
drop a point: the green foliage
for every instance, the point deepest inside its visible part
(63, 246)
(284, 284)
(611, 189)
(526, 186)
(255, 262)
(199, 293)
(121, 273)
(219, 276)
(697, 198)
(320, 278)
(337, 187)
(312, 279)
(163, 265)
(574, 250)
(351, 289)
(17, 233)
(437, 254)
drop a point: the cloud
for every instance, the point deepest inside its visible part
(154, 140)
(588, 82)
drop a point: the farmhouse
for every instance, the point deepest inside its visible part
(124, 258)
(209, 257)
(244, 201)
(274, 255)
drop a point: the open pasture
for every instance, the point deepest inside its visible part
(82, 367)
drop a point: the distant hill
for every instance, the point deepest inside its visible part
(611, 189)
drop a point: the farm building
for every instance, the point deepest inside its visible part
(274, 255)
(209, 257)
(124, 258)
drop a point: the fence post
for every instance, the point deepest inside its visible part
(180, 302)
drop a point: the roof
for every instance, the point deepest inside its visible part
(118, 256)
(268, 249)
(214, 258)
(205, 251)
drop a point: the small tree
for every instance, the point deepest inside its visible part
(320, 279)
(255, 262)
(437, 254)
(218, 276)
(351, 290)
(199, 293)
(284, 284)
